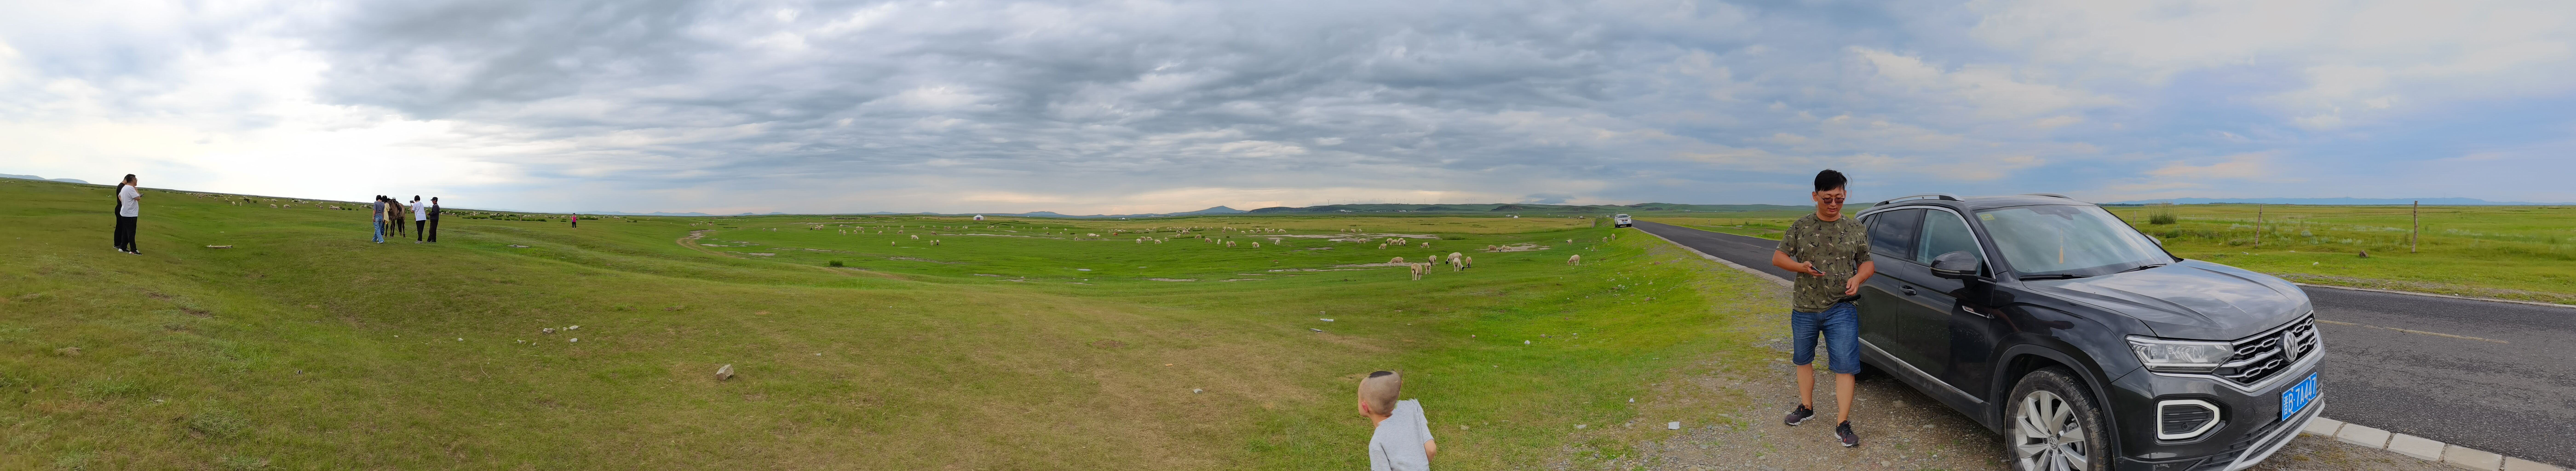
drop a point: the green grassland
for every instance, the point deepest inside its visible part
(2511, 252)
(1011, 344)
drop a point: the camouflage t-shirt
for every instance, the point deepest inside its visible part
(1837, 248)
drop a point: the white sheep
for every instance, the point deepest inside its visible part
(1455, 264)
(916, 237)
(1420, 269)
(1395, 260)
(1381, 246)
(1471, 262)
(1574, 260)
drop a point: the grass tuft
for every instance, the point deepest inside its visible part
(241, 463)
(219, 423)
(107, 389)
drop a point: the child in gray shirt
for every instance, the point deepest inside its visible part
(1403, 438)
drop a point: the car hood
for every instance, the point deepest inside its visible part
(2190, 299)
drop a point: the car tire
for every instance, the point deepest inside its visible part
(2053, 423)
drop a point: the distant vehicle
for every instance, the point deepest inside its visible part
(2086, 343)
(1623, 220)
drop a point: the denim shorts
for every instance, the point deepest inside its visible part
(1840, 325)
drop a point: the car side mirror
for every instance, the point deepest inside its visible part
(1958, 265)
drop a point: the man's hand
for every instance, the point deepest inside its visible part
(1782, 260)
(1851, 287)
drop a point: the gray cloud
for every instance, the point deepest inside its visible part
(1175, 105)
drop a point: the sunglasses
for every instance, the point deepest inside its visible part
(1832, 200)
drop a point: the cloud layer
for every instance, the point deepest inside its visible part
(1151, 106)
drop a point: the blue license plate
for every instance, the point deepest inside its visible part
(2298, 396)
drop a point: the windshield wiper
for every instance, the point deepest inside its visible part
(2143, 267)
(2053, 276)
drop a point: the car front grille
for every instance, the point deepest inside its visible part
(2260, 356)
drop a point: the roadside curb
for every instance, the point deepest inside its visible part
(1758, 273)
(2534, 303)
(2420, 448)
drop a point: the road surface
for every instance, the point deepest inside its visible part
(2499, 377)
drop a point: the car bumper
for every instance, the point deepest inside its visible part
(2249, 431)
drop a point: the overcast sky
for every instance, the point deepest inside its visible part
(1154, 106)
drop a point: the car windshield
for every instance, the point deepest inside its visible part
(2068, 240)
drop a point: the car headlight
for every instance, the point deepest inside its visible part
(2183, 356)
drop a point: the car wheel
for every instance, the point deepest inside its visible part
(2054, 425)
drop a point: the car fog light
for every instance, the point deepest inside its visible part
(2178, 419)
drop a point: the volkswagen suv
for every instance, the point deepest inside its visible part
(2082, 341)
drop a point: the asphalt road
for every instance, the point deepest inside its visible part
(2499, 377)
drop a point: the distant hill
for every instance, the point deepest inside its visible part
(1047, 214)
(657, 213)
(1534, 208)
(2343, 201)
(1052, 214)
(33, 177)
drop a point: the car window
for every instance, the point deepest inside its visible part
(1943, 233)
(2069, 239)
(1891, 233)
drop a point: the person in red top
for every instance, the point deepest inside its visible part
(576, 220)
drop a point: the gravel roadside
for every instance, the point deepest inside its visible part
(1731, 421)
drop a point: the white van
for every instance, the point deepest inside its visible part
(1623, 220)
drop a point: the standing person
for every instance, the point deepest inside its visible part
(419, 221)
(380, 219)
(433, 219)
(1830, 253)
(129, 206)
(576, 220)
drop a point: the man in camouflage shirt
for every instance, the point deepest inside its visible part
(1830, 253)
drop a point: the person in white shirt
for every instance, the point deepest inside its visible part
(419, 220)
(129, 205)
(1402, 441)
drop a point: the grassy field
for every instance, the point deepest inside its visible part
(1010, 344)
(2511, 252)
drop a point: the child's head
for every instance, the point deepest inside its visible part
(1377, 393)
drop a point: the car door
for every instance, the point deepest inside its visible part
(1933, 304)
(1891, 236)
(1972, 329)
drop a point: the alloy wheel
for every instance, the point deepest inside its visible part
(2047, 436)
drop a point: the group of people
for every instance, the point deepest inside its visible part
(424, 218)
(1829, 252)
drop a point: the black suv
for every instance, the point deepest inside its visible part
(2082, 341)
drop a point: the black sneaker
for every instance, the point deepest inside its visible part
(1843, 432)
(1799, 416)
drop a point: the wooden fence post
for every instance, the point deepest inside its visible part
(2415, 221)
(2258, 225)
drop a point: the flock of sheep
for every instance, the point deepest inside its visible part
(1457, 261)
